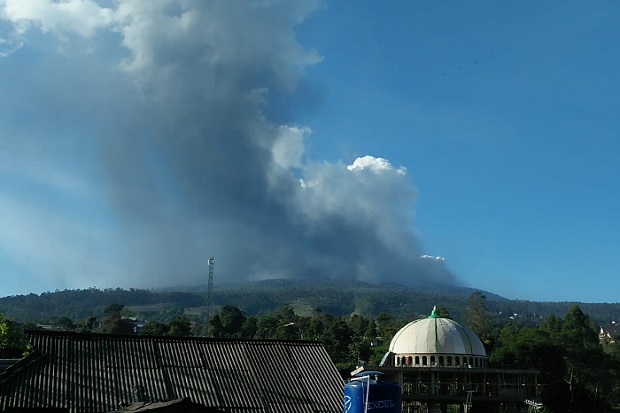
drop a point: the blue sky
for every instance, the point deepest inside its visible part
(295, 140)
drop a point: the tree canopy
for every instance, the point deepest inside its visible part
(12, 342)
(579, 371)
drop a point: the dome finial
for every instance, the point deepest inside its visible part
(434, 313)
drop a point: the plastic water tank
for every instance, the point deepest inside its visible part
(366, 392)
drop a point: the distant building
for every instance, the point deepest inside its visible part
(605, 337)
(71, 372)
(443, 366)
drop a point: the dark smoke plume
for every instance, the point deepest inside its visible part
(162, 123)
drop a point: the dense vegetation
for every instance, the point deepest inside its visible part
(578, 367)
(333, 297)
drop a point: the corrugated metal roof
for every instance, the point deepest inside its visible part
(179, 405)
(6, 363)
(101, 372)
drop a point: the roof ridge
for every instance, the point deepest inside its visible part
(138, 337)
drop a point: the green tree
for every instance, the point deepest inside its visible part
(553, 326)
(232, 319)
(337, 339)
(288, 331)
(478, 319)
(587, 377)
(359, 324)
(154, 328)
(179, 326)
(87, 326)
(386, 325)
(115, 323)
(313, 327)
(530, 348)
(249, 328)
(371, 331)
(216, 328)
(113, 309)
(266, 326)
(584, 357)
(359, 349)
(12, 341)
(65, 323)
(280, 324)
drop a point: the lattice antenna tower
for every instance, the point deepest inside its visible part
(211, 263)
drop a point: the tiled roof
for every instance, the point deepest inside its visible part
(101, 372)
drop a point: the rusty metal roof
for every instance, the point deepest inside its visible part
(102, 372)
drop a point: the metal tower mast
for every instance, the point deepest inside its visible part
(211, 263)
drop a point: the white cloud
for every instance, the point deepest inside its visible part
(432, 257)
(288, 147)
(374, 164)
(218, 35)
(82, 17)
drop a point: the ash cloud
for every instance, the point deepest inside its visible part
(165, 111)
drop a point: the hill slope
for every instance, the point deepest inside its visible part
(332, 297)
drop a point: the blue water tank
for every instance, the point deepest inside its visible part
(367, 392)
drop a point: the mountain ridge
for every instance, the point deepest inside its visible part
(336, 297)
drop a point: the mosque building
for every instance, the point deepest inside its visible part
(443, 367)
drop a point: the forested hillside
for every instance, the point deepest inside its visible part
(332, 297)
(579, 367)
